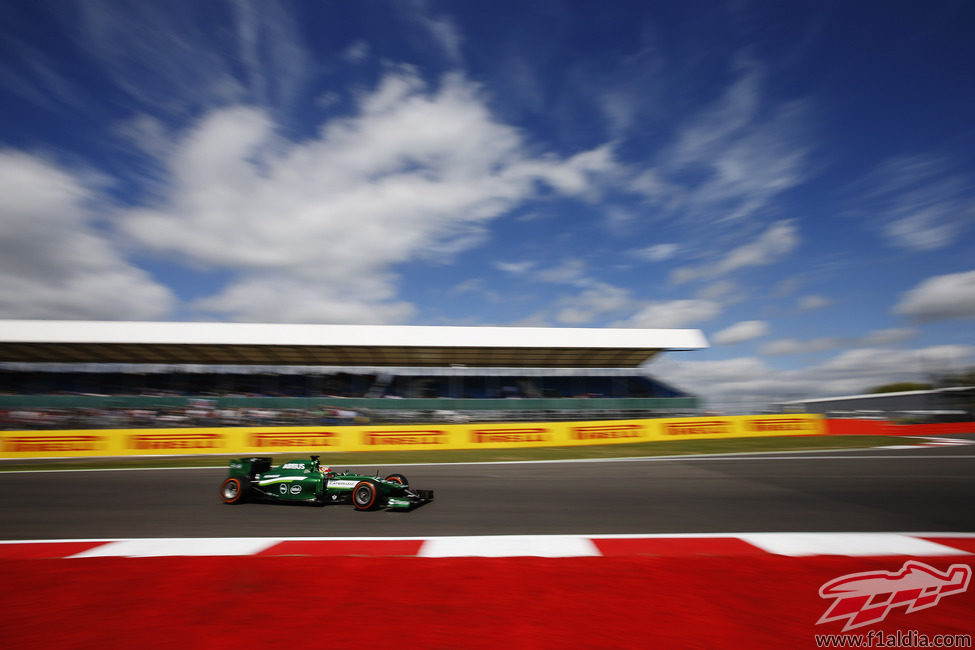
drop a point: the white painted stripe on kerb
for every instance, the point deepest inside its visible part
(510, 546)
(208, 546)
(859, 544)
(850, 544)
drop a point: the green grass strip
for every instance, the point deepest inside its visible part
(633, 450)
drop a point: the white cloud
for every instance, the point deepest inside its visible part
(328, 99)
(809, 303)
(595, 299)
(734, 385)
(788, 347)
(38, 80)
(920, 231)
(747, 383)
(431, 31)
(888, 336)
(619, 220)
(879, 365)
(650, 184)
(363, 300)
(570, 271)
(673, 313)
(138, 41)
(574, 176)
(657, 252)
(725, 290)
(722, 121)
(443, 32)
(416, 175)
(356, 52)
(779, 239)
(591, 303)
(54, 263)
(731, 160)
(164, 59)
(740, 332)
(941, 297)
(515, 268)
(919, 202)
(149, 136)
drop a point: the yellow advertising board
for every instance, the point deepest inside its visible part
(276, 440)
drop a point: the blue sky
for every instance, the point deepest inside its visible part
(796, 179)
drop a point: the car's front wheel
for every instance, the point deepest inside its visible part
(366, 495)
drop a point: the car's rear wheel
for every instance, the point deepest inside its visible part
(234, 490)
(365, 495)
(398, 478)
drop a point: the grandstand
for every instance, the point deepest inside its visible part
(57, 374)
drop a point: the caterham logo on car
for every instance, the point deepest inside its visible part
(176, 441)
(607, 431)
(53, 443)
(303, 439)
(338, 483)
(697, 427)
(406, 437)
(481, 436)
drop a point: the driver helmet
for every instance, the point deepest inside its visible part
(327, 471)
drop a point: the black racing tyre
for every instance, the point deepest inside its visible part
(398, 478)
(234, 490)
(366, 495)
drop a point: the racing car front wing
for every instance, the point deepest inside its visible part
(409, 499)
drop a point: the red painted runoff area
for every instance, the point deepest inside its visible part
(961, 543)
(755, 601)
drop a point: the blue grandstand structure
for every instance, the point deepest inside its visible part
(80, 374)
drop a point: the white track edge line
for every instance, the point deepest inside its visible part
(955, 534)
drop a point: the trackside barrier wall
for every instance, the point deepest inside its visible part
(852, 427)
(270, 440)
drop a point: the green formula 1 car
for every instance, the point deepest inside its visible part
(310, 481)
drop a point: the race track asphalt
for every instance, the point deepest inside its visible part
(907, 490)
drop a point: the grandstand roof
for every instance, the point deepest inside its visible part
(40, 341)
